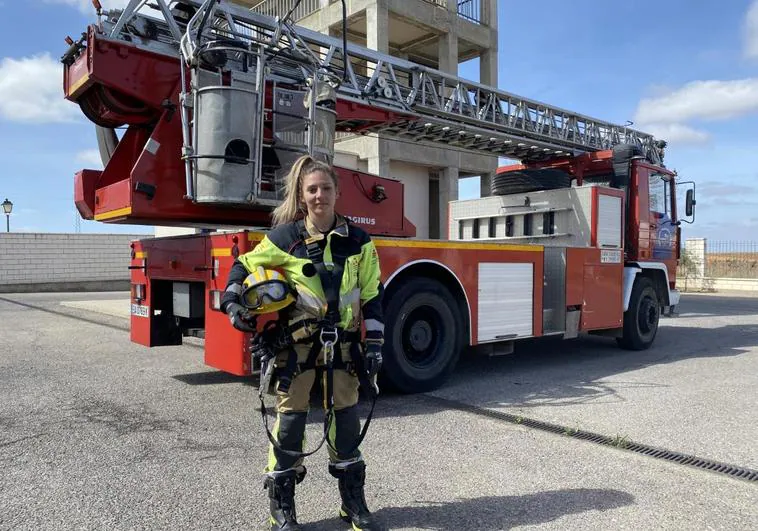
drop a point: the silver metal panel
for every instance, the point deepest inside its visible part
(571, 208)
(608, 221)
(224, 124)
(505, 301)
(188, 299)
(572, 324)
(181, 299)
(554, 290)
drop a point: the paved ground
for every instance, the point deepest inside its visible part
(97, 432)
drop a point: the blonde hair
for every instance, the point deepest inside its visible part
(289, 208)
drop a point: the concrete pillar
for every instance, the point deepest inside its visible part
(378, 159)
(693, 263)
(488, 76)
(489, 14)
(448, 192)
(485, 183)
(377, 27)
(448, 53)
(488, 67)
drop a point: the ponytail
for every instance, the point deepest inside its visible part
(290, 206)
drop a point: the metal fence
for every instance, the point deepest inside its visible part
(470, 10)
(279, 8)
(730, 259)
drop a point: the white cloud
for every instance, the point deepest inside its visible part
(85, 6)
(712, 100)
(675, 133)
(91, 157)
(31, 90)
(751, 31)
(719, 189)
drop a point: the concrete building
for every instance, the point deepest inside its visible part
(437, 33)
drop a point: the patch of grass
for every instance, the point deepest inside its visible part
(620, 441)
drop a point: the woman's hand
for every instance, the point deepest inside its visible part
(240, 318)
(373, 350)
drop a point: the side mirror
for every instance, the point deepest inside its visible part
(690, 202)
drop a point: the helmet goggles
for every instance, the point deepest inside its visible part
(266, 291)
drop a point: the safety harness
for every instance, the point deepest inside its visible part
(329, 338)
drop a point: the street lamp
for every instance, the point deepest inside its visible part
(7, 208)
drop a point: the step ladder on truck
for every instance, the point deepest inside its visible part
(583, 236)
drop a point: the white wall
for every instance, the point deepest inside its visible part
(161, 231)
(416, 184)
(68, 261)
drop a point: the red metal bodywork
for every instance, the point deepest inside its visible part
(117, 83)
(208, 258)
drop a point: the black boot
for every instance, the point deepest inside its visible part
(281, 490)
(352, 478)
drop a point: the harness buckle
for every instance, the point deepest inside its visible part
(329, 337)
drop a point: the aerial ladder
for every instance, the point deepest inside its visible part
(229, 53)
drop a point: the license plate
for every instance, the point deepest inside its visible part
(140, 311)
(608, 256)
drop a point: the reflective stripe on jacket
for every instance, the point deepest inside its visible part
(361, 289)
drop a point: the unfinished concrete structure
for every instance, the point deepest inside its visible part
(437, 33)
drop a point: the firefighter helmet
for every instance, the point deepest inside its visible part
(266, 291)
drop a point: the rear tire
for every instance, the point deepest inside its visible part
(642, 317)
(423, 337)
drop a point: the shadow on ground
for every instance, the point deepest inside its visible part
(492, 512)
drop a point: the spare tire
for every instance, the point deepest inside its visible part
(521, 181)
(107, 141)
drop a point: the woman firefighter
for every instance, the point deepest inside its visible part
(321, 273)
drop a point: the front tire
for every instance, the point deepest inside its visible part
(423, 336)
(642, 317)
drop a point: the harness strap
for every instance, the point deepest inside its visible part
(330, 280)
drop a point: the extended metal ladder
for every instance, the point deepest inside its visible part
(431, 106)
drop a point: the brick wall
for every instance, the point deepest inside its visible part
(38, 261)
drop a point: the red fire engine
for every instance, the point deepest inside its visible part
(582, 237)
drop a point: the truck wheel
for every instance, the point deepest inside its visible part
(641, 319)
(423, 336)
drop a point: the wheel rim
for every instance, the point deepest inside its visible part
(420, 338)
(648, 315)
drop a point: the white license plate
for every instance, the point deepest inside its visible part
(610, 256)
(140, 311)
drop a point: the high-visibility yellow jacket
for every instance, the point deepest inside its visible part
(347, 245)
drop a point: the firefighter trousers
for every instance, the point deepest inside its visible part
(292, 410)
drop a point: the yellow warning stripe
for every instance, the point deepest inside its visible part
(221, 252)
(114, 213)
(436, 244)
(73, 88)
(458, 245)
(140, 254)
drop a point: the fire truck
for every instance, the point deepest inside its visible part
(201, 107)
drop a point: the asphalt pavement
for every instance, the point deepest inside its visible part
(99, 433)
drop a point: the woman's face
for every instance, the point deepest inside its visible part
(319, 194)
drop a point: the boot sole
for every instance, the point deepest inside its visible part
(346, 518)
(275, 525)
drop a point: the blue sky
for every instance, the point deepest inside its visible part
(684, 70)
